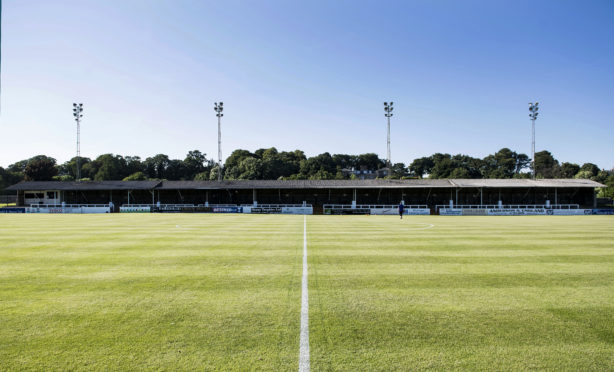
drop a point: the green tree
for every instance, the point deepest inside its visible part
(138, 176)
(321, 165)
(235, 158)
(69, 168)
(608, 191)
(8, 177)
(322, 174)
(204, 176)
(546, 166)
(569, 170)
(214, 173)
(194, 163)
(399, 170)
(422, 166)
(590, 169)
(175, 170)
(503, 164)
(155, 166)
(18, 167)
(133, 164)
(40, 168)
(110, 167)
(250, 169)
(345, 161)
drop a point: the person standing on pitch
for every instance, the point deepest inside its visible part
(401, 207)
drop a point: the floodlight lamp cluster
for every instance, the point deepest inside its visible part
(77, 110)
(388, 108)
(533, 108)
(219, 107)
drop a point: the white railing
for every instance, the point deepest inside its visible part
(508, 206)
(374, 206)
(68, 205)
(177, 205)
(277, 205)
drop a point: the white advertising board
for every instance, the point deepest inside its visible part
(80, 210)
(516, 212)
(395, 211)
(134, 209)
(513, 212)
(277, 210)
(297, 210)
(570, 212)
(450, 212)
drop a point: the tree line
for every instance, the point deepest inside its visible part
(271, 164)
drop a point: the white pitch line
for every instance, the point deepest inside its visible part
(303, 358)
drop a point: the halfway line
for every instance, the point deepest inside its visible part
(303, 359)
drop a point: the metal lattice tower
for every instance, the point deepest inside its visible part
(219, 107)
(533, 108)
(77, 111)
(388, 108)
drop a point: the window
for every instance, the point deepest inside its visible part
(34, 195)
(51, 195)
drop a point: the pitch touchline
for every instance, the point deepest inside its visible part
(303, 359)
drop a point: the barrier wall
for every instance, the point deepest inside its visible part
(513, 212)
(570, 212)
(227, 209)
(78, 210)
(340, 211)
(134, 209)
(395, 211)
(12, 210)
(277, 210)
(603, 211)
(450, 212)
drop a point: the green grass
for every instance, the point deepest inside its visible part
(471, 293)
(128, 292)
(222, 292)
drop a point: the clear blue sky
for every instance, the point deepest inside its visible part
(307, 75)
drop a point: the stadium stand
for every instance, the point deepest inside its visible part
(376, 195)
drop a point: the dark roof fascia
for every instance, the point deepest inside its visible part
(302, 184)
(83, 186)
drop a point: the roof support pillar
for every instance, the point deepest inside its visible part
(457, 196)
(255, 197)
(481, 196)
(354, 199)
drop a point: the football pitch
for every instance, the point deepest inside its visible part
(223, 292)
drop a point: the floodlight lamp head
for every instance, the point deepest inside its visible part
(385, 103)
